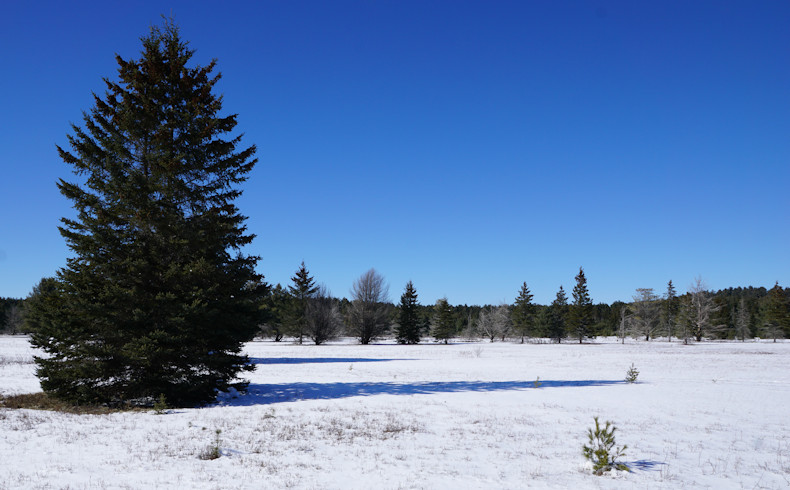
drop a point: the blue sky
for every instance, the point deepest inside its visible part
(467, 146)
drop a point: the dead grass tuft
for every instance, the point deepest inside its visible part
(42, 401)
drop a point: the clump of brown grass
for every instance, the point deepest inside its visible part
(42, 401)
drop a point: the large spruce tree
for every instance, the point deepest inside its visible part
(443, 321)
(558, 312)
(157, 298)
(408, 331)
(523, 312)
(303, 288)
(580, 313)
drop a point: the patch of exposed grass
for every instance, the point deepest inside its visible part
(42, 401)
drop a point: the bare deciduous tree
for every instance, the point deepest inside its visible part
(494, 322)
(14, 318)
(646, 313)
(368, 315)
(742, 328)
(323, 316)
(701, 309)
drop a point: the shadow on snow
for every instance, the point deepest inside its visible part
(316, 360)
(265, 394)
(644, 465)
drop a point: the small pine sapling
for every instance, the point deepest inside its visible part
(160, 406)
(631, 374)
(602, 451)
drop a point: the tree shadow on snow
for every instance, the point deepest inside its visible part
(644, 465)
(265, 394)
(317, 360)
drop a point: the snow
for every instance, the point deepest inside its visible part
(465, 415)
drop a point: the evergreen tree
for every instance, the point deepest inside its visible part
(670, 311)
(522, 316)
(408, 331)
(580, 314)
(277, 307)
(302, 290)
(443, 321)
(157, 298)
(776, 313)
(558, 311)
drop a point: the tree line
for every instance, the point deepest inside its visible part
(305, 311)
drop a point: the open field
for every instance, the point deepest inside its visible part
(709, 415)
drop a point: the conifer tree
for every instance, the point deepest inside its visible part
(408, 331)
(443, 321)
(776, 313)
(580, 314)
(558, 312)
(157, 298)
(302, 290)
(522, 316)
(671, 307)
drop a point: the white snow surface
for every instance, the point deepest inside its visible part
(429, 416)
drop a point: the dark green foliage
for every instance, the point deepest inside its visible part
(276, 309)
(558, 312)
(580, 313)
(408, 331)
(602, 451)
(157, 297)
(302, 290)
(443, 321)
(670, 310)
(13, 316)
(523, 311)
(776, 313)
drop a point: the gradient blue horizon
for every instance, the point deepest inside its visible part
(466, 146)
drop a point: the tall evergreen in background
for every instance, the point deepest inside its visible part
(523, 312)
(558, 311)
(408, 331)
(302, 289)
(670, 310)
(580, 314)
(776, 313)
(443, 321)
(157, 298)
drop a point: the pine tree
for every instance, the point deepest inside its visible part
(558, 311)
(522, 316)
(776, 313)
(157, 298)
(443, 321)
(408, 331)
(302, 290)
(671, 307)
(580, 314)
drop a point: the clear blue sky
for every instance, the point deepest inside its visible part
(467, 146)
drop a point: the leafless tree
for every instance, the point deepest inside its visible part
(368, 316)
(646, 313)
(625, 322)
(324, 321)
(494, 322)
(701, 309)
(14, 317)
(742, 328)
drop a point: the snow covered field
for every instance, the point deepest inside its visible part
(709, 415)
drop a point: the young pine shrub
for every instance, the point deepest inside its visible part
(631, 374)
(601, 451)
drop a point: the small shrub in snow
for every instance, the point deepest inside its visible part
(631, 374)
(602, 452)
(537, 383)
(212, 452)
(160, 406)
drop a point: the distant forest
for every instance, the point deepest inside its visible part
(304, 312)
